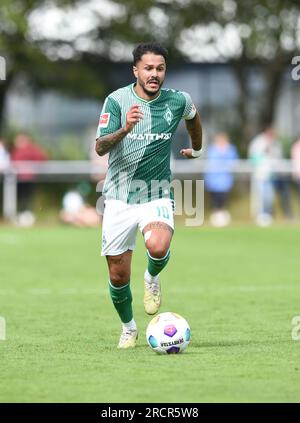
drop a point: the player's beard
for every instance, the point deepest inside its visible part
(146, 91)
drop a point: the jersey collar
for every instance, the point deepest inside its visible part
(142, 99)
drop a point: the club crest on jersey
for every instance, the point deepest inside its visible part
(168, 116)
(104, 120)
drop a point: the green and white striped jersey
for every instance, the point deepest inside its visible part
(139, 165)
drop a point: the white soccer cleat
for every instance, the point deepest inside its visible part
(128, 338)
(152, 296)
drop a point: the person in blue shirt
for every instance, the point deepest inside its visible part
(218, 177)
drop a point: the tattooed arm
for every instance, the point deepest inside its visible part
(105, 144)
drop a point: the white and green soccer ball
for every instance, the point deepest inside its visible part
(168, 333)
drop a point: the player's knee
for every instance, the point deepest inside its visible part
(119, 277)
(157, 249)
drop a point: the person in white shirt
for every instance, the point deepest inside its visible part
(4, 156)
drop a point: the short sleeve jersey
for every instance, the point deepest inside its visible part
(139, 165)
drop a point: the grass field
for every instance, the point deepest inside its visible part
(239, 288)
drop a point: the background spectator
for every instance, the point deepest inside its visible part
(295, 156)
(76, 212)
(4, 155)
(26, 150)
(264, 151)
(218, 178)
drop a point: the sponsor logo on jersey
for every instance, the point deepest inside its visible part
(149, 137)
(168, 116)
(104, 120)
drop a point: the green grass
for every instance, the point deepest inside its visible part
(239, 289)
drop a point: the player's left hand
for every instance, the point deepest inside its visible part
(187, 152)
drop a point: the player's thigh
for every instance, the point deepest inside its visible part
(119, 267)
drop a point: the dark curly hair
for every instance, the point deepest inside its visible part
(152, 47)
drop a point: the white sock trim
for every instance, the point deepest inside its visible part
(118, 287)
(149, 278)
(161, 258)
(130, 325)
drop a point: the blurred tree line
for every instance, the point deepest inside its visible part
(262, 34)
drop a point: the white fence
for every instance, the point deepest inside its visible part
(62, 171)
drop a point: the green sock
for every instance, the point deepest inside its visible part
(156, 265)
(122, 300)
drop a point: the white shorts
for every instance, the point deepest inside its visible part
(121, 221)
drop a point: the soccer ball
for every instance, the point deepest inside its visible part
(168, 333)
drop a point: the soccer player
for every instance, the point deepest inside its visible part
(136, 127)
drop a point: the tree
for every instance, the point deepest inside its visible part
(262, 34)
(27, 57)
(265, 35)
(269, 33)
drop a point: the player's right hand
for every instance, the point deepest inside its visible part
(133, 116)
